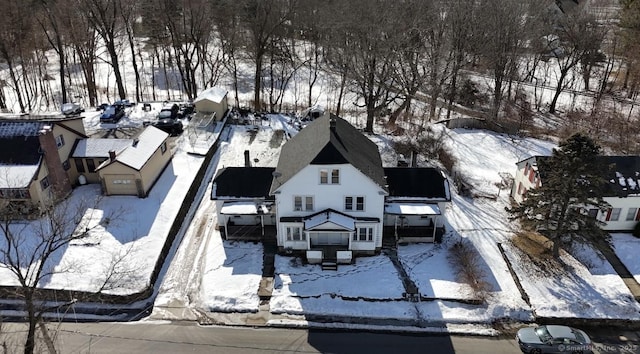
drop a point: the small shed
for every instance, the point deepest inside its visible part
(212, 100)
(135, 169)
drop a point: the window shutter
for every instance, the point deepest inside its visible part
(638, 215)
(608, 214)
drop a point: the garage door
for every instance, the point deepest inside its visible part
(120, 184)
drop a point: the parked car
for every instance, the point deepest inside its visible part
(112, 114)
(124, 102)
(170, 125)
(186, 110)
(102, 107)
(553, 339)
(169, 111)
(69, 109)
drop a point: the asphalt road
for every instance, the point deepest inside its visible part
(164, 337)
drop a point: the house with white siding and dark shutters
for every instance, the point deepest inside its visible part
(330, 198)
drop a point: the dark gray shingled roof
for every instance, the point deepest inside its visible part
(622, 173)
(242, 182)
(319, 144)
(423, 182)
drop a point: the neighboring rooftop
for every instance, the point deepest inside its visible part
(141, 149)
(214, 94)
(416, 182)
(94, 147)
(623, 174)
(242, 182)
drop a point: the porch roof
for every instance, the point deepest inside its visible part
(337, 219)
(244, 208)
(411, 209)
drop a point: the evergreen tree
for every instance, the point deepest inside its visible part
(572, 183)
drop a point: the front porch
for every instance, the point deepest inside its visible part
(413, 233)
(248, 232)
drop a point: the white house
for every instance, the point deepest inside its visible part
(623, 192)
(212, 100)
(330, 198)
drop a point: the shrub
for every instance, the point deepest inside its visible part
(466, 262)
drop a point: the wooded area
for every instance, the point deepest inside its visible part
(386, 52)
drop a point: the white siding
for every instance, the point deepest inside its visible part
(352, 183)
(624, 204)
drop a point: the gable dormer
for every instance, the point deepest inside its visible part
(329, 140)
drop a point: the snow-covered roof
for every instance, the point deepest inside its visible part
(100, 147)
(141, 149)
(25, 128)
(244, 208)
(412, 209)
(17, 176)
(214, 94)
(630, 182)
(330, 217)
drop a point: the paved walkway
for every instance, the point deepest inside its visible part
(620, 268)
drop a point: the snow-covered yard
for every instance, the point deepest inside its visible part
(626, 247)
(119, 257)
(232, 275)
(372, 287)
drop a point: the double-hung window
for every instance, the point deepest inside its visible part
(294, 233)
(363, 234)
(354, 203)
(613, 214)
(330, 176)
(302, 203)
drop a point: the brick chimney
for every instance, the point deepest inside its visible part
(112, 155)
(58, 178)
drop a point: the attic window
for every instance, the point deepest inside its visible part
(335, 176)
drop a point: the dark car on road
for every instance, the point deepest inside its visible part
(553, 339)
(169, 125)
(112, 114)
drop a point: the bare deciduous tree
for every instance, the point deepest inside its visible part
(580, 38)
(32, 251)
(502, 25)
(104, 16)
